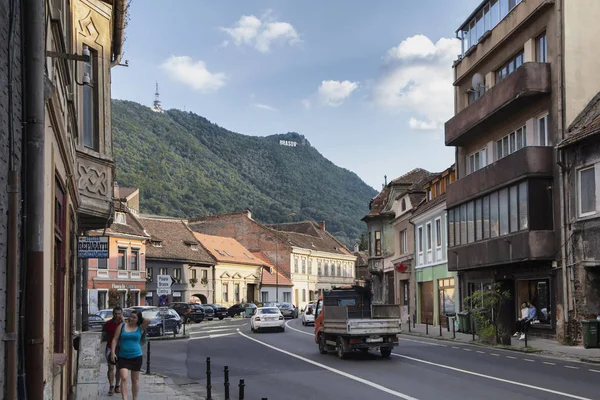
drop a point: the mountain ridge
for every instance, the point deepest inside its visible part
(188, 166)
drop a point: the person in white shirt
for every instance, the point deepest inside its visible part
(521, 322)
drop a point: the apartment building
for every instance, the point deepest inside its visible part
(522, 77)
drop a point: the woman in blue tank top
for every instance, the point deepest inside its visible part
(129, 357)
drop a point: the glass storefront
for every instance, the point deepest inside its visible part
(536, 291)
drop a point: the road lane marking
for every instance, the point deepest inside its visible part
(494, 354)
(480, 352)
(511, 357)
(335, 371)
(213, 336)
(570, 366)
(212, 331)
(456, 347)
(464, 371)
(549, 363)
(528, 359)
(467, 350)
(298, 330)
(594, 370)
(422, 341)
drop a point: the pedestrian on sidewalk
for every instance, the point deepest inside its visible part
(108, 333)
(129, 357)
(521, 322)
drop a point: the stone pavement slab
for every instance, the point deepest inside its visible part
(152, 387)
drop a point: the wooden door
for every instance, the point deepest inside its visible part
(250, 293)
(426, 299)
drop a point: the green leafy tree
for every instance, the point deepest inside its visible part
(485, 306)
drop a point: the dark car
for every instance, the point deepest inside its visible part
(220, 311)
(209, 312)
(239, 309)
(188, 312)
(161, 321)
(95, 322)
(288, 310)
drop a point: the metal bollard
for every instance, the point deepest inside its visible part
(526, 329)
(440, 324)
(409, 323)
(448, 323)
(241, 392)
(426, 326)
(453, 328)
(183, 329)
(208, 385)
(148, 359)
(226, 383)
(415, 321)
(473, 328)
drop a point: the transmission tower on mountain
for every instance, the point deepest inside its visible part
(157, 107)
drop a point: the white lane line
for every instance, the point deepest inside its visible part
(528, 359)
(424, 342)
(594, 370)
(335, 371)
(571, 367)
(548, 363)
(298, 330)
(467, 350)
(464, 371)
(212, 331)
(480, 352)
(456, 347)
(494, 354)
(511, 357)
(213, 336)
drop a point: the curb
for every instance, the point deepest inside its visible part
(510, 348)
(157, 339)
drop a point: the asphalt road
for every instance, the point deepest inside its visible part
(289, 366)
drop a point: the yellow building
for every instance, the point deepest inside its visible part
(237, 272)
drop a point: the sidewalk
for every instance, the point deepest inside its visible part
(544, 346)
(151, 387)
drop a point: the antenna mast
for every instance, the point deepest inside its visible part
(157, 107)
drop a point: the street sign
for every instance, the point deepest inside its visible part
(163, 292)
(92, 247)
(163, 285)
(163, 300)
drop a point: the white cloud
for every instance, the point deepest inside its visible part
(195, 74)
(334, 93)
(418, 79)
(261, 34)
(265, 107)
(307, 104)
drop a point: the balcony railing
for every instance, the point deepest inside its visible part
(530, 80)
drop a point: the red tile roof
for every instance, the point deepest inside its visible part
(309, 235)
(268, 275)
(227, 250)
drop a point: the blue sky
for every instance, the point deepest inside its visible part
(369, 83)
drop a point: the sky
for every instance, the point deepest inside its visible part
(369, 83)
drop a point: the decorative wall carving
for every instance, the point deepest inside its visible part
(87, 28)
(92, 180)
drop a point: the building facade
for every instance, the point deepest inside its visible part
(273, 284)
(436, 287)
(173, 250)
(519, 83)
(579, 155)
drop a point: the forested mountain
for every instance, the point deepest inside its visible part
(186, 166)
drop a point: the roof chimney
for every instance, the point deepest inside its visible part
(356, 247)
(323, 226)
(116, 194)
(385, 179)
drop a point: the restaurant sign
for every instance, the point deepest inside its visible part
(92, 247)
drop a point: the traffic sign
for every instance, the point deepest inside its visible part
(163, 292)
(163, 301)
(164, 281)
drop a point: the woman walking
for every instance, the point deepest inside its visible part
(129, 357)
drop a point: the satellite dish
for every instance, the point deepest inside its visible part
(477, 81)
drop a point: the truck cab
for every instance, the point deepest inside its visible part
(346, 321)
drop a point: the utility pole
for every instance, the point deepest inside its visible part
(276, 270)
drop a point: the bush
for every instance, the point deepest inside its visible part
(484, 306)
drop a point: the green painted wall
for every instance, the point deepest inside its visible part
(434, 273)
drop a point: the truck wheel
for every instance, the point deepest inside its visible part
(340, 348)
(322, 345)
(385, 352)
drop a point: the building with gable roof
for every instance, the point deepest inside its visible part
(272, 281)
(173, 250)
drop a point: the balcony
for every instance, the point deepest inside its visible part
(518, 247)
(95, 176)
(523, 86)
(527, 162)
(376, 265)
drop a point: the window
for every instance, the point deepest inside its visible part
(523, 206)
(204, 274)
(429, 194)
(122, 259)
(510, 66)
(510, 143)
(304, 265)
(296, 265)
(163, 271)
(477, 160)
(326, 272)
(514, 205)
(177, 275)
(149, 273)
(478, 226)
(503, 203)
(587, 191)
(463, 224)
(194, 274)
(134, 263)
(90, 104)
(541, 48)
(225, 292)
(120, 218)
(287, 297)
(102, 263)
(486, 217)
(236, 292)
(102, 299)
(377, 243)
(420, 239)
(451, 228)
(470, 222)
(403, 242)
(438, 189)
(339, 270)
(310, 265)
(494, 221)
(319, 271)
(264, 296)
(403, 207)
(429, 233)
(542, 131)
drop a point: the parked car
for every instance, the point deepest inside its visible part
(105, 314)
(267, 318)
(220, 311)
(308, 315)
(209, 312)
(271, 304)
(239, 309)
(95, 322)
(288, 310)
(189, 312)
(172, 321)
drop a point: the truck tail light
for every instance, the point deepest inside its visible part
(355, 341)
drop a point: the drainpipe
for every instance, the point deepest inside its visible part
(34, 59)
(560, 113)
(214, 284)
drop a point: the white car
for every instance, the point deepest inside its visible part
(267, 318)
(308, 315)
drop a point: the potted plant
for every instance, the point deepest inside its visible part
(193, 281)
(204, 281)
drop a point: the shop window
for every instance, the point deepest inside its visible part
(537, 292)
(446, 290)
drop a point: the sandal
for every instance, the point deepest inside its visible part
(111, 390)
(117, 389)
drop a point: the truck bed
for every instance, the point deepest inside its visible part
(385, 320)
